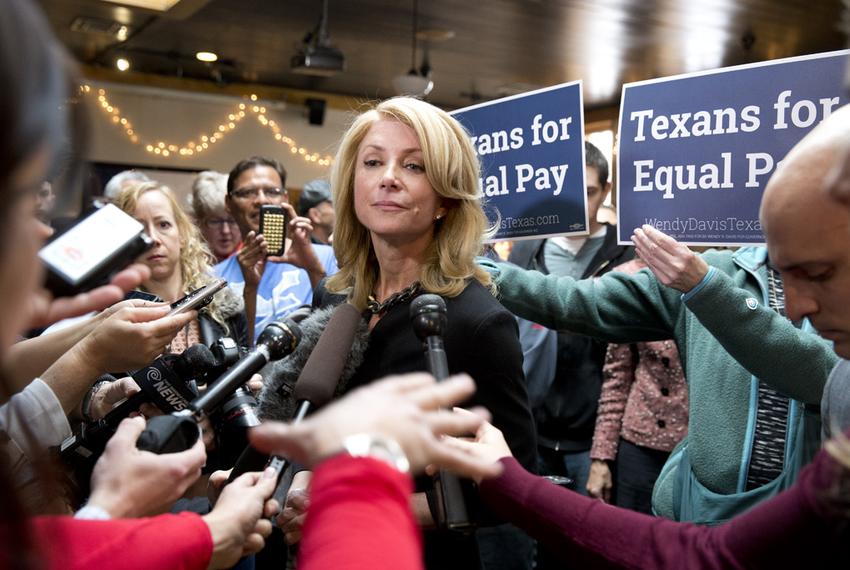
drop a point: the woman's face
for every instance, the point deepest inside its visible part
(221, 232)
(21, 273)
(154, 211)
(392, 195)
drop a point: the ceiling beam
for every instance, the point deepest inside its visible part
(287, 95)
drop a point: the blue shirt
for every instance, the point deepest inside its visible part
(282, 289)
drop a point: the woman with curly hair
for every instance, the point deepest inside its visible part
(180, 262)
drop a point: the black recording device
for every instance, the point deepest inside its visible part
(428, 316)
(273, 223)
(165, 383)
(316, 384)
(179, 431)
(87, 254)
(232, 420)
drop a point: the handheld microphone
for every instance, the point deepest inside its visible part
(162, 383)
(315, 385)
(179, 431)
(319, 378)
(428, 317)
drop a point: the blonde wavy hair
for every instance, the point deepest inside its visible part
(452, 169)
(195, 257)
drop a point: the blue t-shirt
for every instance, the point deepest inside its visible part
(282, 289)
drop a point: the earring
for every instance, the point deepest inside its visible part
(437, 217)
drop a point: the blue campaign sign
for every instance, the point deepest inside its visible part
(532, 161)
(696, 151)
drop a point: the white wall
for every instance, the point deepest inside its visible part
(177, 117)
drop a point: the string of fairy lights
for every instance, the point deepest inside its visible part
(205, 141)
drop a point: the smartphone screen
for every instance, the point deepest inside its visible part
(273, 222)
(80, 250)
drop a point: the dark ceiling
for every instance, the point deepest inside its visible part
(499, 47)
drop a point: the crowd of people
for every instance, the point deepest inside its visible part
(679, 409)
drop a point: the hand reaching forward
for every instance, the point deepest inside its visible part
(414, 410)
(46, 310)
(672, 263)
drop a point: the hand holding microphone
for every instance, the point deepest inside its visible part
(128, 482)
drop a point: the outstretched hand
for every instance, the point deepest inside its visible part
(132, 337)
(47, 310)
(673, 263)
(411, 409)
(488, 446)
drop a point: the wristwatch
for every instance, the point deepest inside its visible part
(377, 447)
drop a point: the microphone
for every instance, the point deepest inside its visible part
(162, 383)
(428, 317)
(179, 431)
(316, 383)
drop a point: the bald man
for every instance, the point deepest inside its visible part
(805, 214)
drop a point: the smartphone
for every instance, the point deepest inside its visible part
(273, 223)
(92, 250)
(197, 299)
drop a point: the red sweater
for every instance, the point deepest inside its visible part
(360, 518)
(176, 542)
(797, 529)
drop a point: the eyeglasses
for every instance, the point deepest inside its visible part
(246, 193)
(219, 223)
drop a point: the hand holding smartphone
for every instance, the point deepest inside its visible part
(273, 223)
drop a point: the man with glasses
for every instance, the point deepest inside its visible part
(271, 286)
(217, 225)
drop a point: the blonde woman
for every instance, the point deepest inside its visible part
(409, 221)
(180, 262)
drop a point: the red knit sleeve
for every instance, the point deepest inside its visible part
(179, 542)
(790, 530)
(359, 517)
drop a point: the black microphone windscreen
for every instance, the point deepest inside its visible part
(319, 378)
(279, 378)
(426, 303)
(428, 315)
(195, 360)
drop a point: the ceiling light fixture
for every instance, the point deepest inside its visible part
(414, 83)
(206, 56)
(122, 63)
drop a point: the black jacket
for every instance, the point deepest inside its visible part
(566, 420)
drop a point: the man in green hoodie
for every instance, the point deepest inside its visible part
(755, 377)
